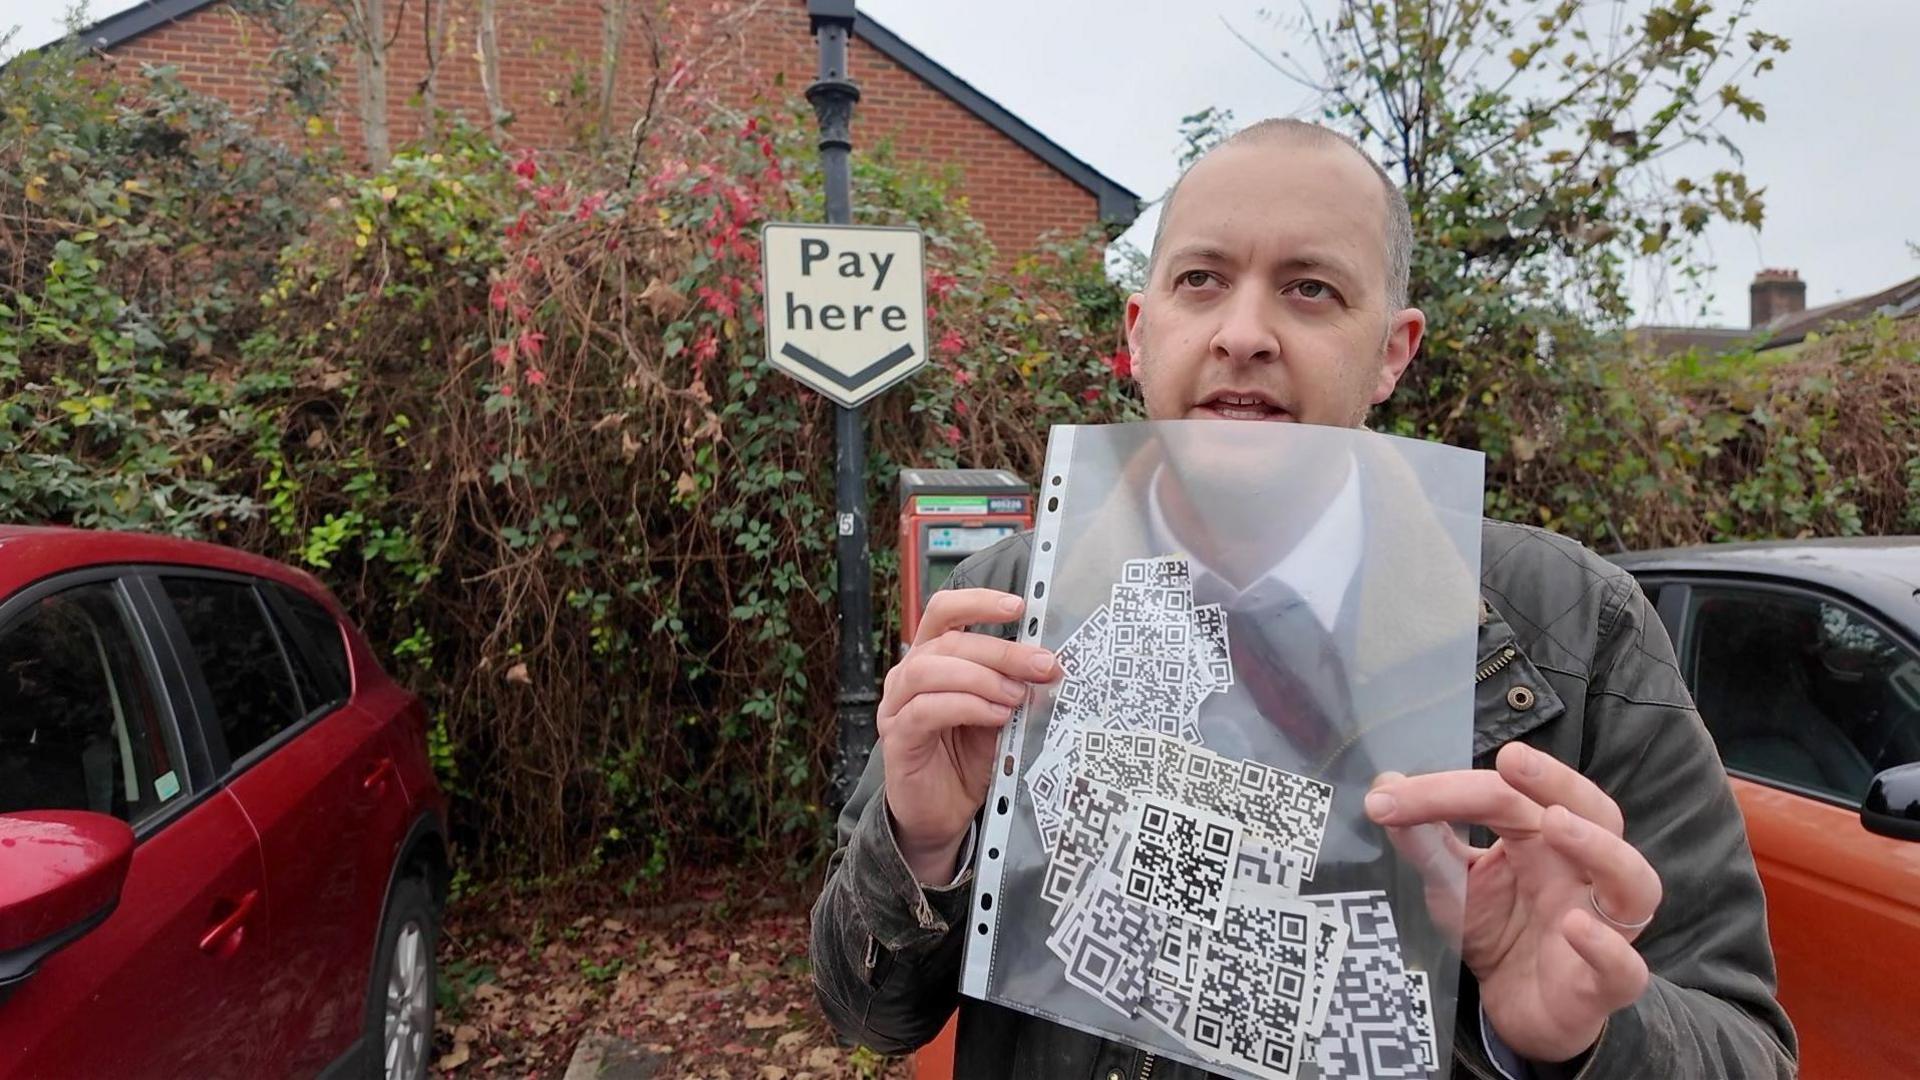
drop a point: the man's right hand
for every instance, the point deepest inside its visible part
(940, 718)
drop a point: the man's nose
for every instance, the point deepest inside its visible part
(1246, 331)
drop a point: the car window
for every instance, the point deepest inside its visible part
(328, 643)
(1802, 691)
(242, 659)
(80, 723)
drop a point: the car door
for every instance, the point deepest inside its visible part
(315, 776)
(1808, 696)
(88, 721)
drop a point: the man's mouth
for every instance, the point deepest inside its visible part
(1241, 405)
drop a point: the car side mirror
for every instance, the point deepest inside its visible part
(1892, 806)
(61, 872)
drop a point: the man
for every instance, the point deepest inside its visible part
(1613, 925)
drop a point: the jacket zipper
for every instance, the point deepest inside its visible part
(1146, 1067)
(1496, 665)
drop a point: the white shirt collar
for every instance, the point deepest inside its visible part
(1320, 568)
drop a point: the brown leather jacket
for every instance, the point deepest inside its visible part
(1605, 696)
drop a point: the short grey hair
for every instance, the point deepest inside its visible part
(1399, 238)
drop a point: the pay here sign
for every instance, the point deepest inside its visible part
(846, 306)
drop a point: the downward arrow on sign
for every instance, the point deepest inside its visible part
(848, 382)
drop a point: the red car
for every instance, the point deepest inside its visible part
(222, 849)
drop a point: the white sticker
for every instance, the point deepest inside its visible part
(166, 786)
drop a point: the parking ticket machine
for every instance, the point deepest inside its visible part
(947, 515)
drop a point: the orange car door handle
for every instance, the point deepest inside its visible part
(213, 940)
(378, 776)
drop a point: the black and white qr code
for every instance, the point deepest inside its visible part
(1084, 654)
(1211, 644)
(1094, 814)
(1153, 693)
(1167, 571)
(1107, 944)
(1181, 861)
(1369, 1032)
(1248, 1010)
(1124, 760)
(1287, 808)
(1263, 918)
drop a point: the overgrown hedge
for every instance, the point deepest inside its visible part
(514, 411)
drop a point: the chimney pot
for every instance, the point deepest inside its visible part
(1774, 294)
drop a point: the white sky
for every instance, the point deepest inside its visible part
(1110, 79)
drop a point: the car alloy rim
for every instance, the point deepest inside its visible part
(409, 1005)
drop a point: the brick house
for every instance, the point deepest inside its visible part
(1018, 183)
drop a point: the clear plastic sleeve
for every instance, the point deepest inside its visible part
(1255, 620)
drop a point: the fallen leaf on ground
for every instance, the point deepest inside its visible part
(761, 1021)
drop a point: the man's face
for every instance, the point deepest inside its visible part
(1268, 300)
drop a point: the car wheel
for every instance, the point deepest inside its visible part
(400, 1007)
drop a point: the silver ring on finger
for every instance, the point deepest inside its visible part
(1593, 901)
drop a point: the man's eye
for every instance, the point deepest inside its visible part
(1314, 290)
(1196, 279)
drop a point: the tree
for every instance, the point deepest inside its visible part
(488, 45)
(366, 22)
(1532, 139)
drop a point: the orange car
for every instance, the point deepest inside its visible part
(1804, 659)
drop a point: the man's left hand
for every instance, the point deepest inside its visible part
(1552, 908)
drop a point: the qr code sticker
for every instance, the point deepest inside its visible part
(1108, 943)
(1124, 760)
(1047, 782)
(1211, 645)
(1175, 762)
(1167, 571)
(1285, 808)
(1083, 656)
(1152, 639)
(1181, 860)
(1329, 951)
(1153, 693)
(1263, 863)
(1247, 1012)
(1207, 780)
(1079, 703)
(1262, 918)
(1368, 1034)
(1133, 604)
(1420, 1001)
(1177, 963)
(1094, 814)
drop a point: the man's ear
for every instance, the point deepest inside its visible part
(1135, 326)
(1409, 325)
